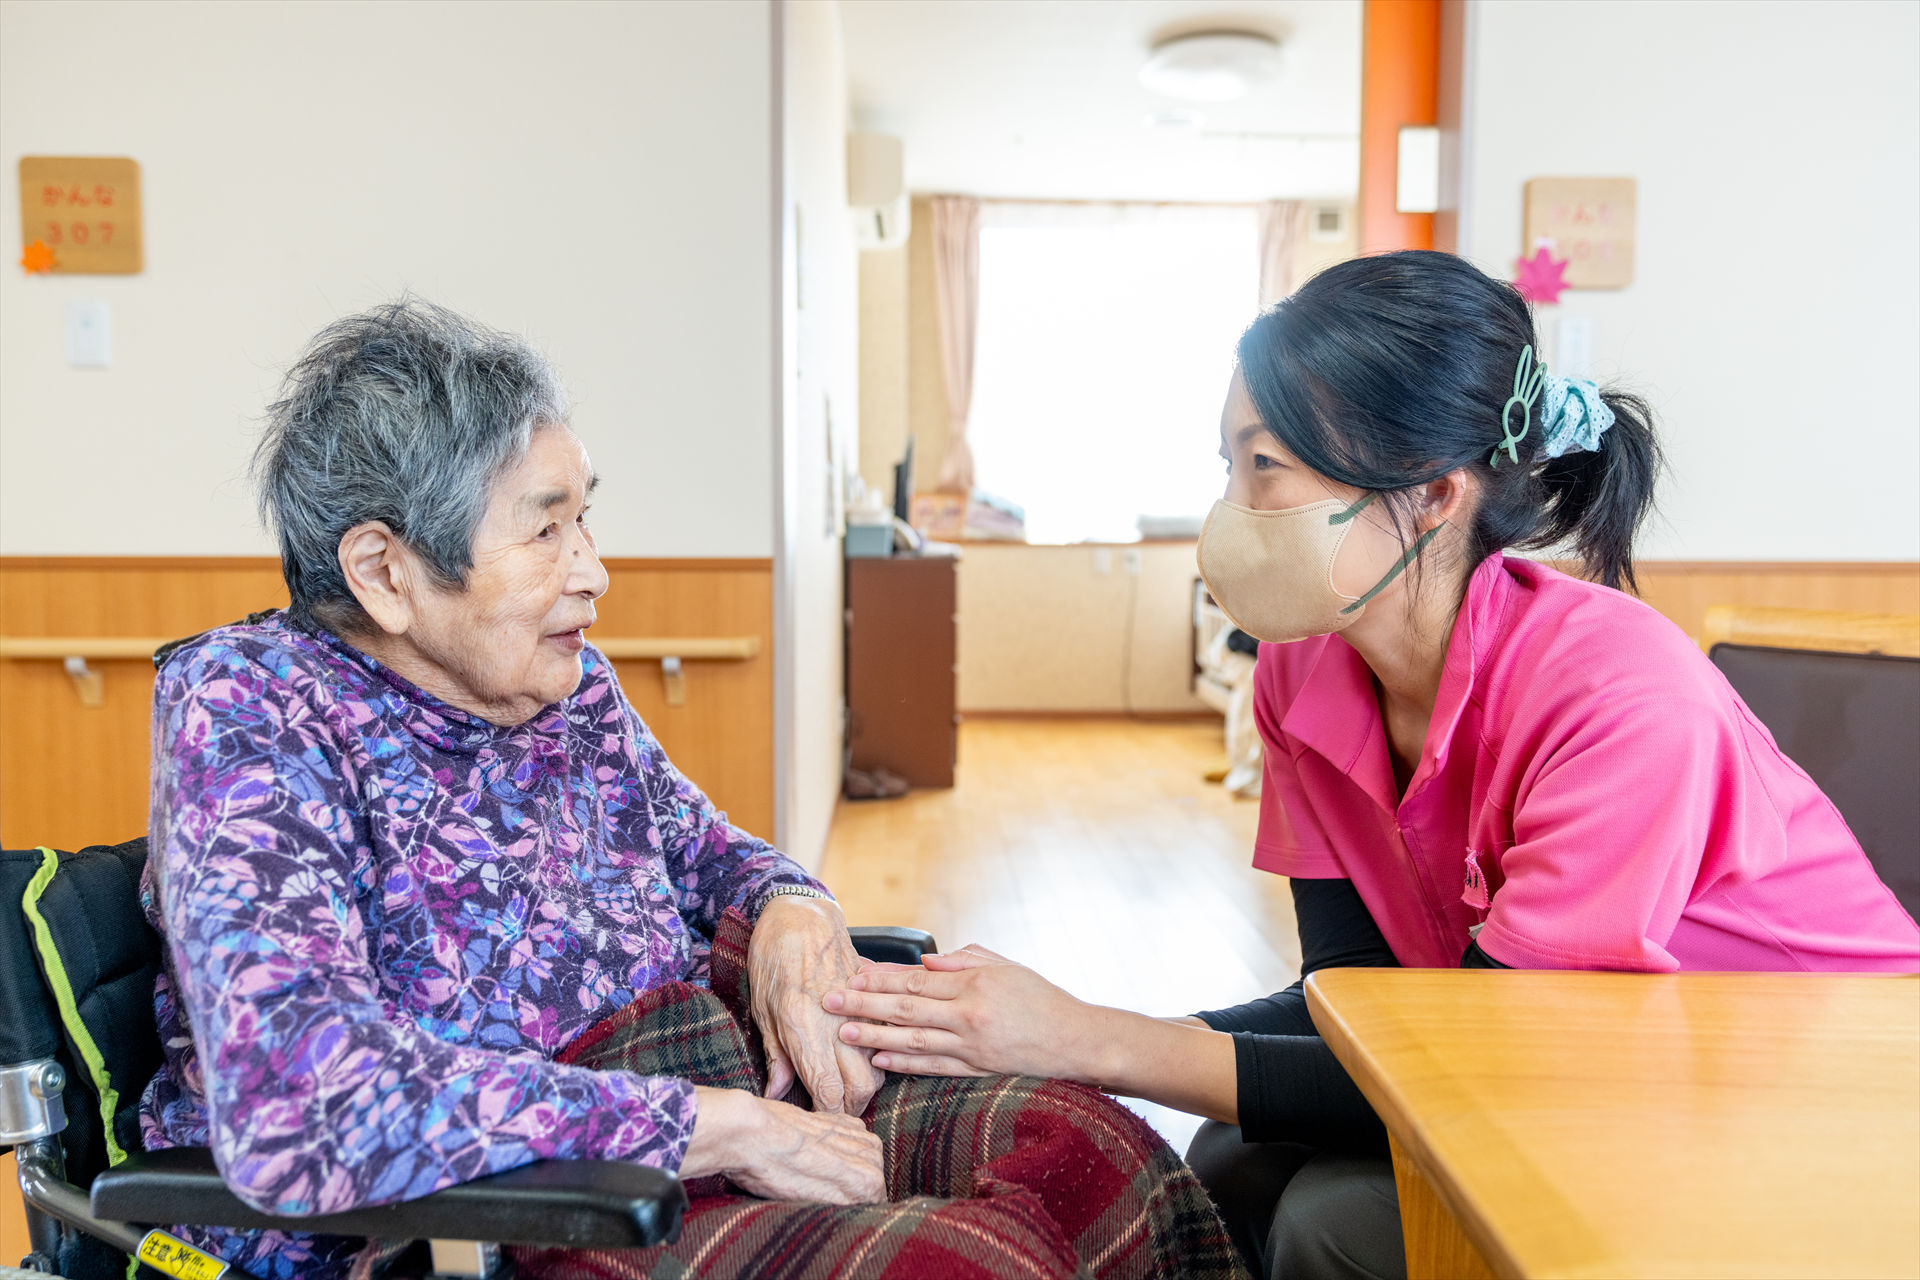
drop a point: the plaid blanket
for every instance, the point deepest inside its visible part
(998, 1177)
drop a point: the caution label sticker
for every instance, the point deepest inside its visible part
(178, 1258)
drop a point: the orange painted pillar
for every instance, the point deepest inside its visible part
(1399, 85)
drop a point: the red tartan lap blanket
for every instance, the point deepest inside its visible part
(1000, 1177)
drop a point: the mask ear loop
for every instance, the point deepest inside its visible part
(1412, 552)
(1341, 517)
(1528, 379)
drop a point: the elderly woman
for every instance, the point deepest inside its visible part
(410, 840)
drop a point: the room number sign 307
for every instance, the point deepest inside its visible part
(83, 212)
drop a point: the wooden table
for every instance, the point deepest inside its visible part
(1678, 1125)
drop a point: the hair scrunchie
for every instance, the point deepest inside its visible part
(1573, 417)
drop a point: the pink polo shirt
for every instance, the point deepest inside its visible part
(1591, 791)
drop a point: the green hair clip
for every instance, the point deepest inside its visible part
(1528, 379)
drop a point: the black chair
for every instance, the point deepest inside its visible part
(85, 945)
(1852, 721)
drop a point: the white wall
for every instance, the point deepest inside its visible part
(820, 417)
(886, 353)
(595, 175)
(1077, 628)
(1773, 319)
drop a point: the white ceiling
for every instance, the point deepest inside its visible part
(1041, 98)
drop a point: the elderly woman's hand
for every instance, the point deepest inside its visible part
(780, 1152)
(800, 951)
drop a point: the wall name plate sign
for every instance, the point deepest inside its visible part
(85, 210)
(1589, 223)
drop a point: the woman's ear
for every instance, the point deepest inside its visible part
(381, 573)
(1445, 500)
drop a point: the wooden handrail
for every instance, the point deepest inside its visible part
(58, 647)
(1833, 631)
(716, 648)
(670, 651)
(620, 648)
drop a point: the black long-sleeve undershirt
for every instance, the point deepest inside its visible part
(1291, 1087)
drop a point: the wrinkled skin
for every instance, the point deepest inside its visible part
(800, 951)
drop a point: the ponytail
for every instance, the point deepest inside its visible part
(1595, 501)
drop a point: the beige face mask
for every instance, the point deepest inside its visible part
(1272, 571)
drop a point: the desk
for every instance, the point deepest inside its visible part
(1674, 1125)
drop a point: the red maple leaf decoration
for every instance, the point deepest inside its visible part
(37, 258)
(1542, 277)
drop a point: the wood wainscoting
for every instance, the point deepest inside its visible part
(73, 775)
(722, 736)
(1684, 590)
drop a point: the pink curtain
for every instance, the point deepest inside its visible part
(956, 278)
(1282, 226)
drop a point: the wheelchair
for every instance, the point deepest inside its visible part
(78, 1043)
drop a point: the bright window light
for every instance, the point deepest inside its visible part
(1104, 348)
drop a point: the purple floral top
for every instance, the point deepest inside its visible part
(384, 916)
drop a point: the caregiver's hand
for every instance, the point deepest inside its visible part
(781, 1152)
(800, 951)
(970, 1012)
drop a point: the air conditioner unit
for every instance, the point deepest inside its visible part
(883, 226)
(877, 190)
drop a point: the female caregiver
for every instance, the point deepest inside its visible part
(1471, 759)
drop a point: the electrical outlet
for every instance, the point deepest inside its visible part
(1131, 558)
(1102, 560)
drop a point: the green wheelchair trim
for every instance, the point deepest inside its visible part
(56, 971)
(82, 1039)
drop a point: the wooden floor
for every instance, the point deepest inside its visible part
(1091, 849)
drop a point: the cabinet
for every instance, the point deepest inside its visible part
(902, 708)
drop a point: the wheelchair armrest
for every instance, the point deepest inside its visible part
(891, 944)
(599, 1204)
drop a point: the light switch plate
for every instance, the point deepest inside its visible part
(1573, 347)
(89, 335)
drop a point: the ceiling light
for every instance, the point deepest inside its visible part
(1211, 66)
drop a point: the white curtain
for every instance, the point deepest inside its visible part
(956, 279)
(1283, 225)
(1105, 344)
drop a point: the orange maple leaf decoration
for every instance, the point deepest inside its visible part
(37, 259)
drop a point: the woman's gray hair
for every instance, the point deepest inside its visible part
(404, 414)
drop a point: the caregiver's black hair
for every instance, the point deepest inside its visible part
(1387, 372)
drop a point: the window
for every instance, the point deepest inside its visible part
(1104, 347)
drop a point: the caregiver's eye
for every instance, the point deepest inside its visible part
(1262, 462)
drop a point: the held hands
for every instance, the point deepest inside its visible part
(969, 1012)
(780, 1152)
(800, 950)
